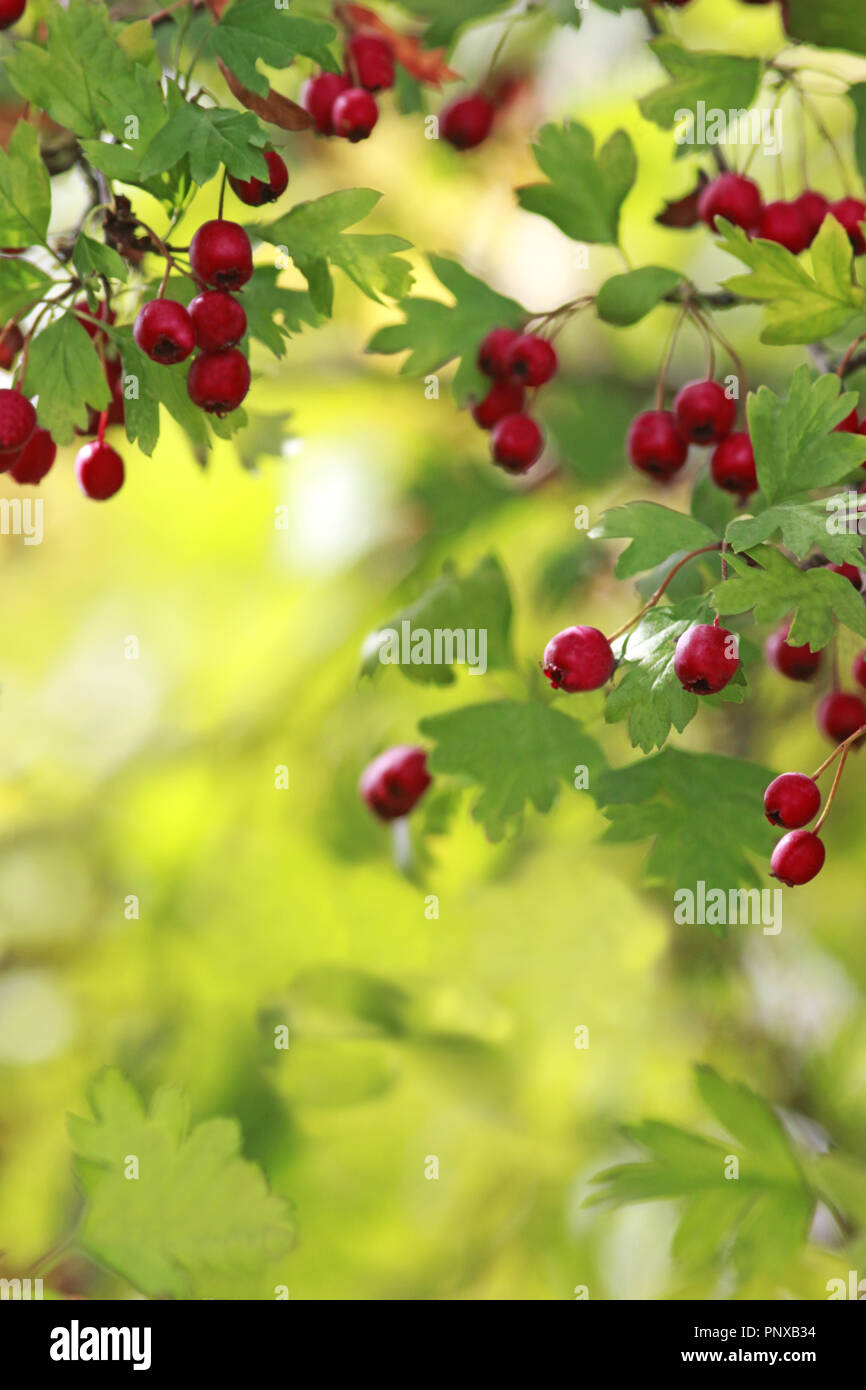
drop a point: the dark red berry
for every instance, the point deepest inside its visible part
(704, 414)
(851, 213)
(849, 572)
(578, 658)
(218, 381)
(517, 442)
(35, 458)
(494, 350)
(11, 343)
(503, 398)
(467, 121)
(797, 858)
(797, 663)
(850, 425)
(164, 331)
(705, 659)
(219, 320)
(395, 781)
(792, 800)
(11, 11)
(354, 115)
(371, 59)
(840, 715)
(787, 225)
(733, 197)
(220, 254)
(255, 192)
(814, 207)
(655, 445)
(858, 670)
(318, 97)
(17, 422)
(99, 470)
(732, 466)
(531, 361)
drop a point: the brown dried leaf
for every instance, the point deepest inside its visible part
(684, 211)
(274, 108)
(425, 64)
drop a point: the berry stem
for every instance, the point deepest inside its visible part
(654, 598)
(832, 793)
(103, 422)
(222, 194)
(843, 365)
(852, 738)
(668, 356)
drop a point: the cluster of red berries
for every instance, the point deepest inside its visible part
(581, 658)
(26, 451)
(516, 363)
(793, 224)
(394, 782)
(343, 104)
(704, 414)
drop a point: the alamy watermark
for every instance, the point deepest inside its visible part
(737, 907)
(22, 516)
(710, 125)
(438, 646)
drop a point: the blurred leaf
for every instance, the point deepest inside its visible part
(626, 299)
(717, 80)
(589, 418)
(250, 30)
(773, 586)
(25, 190)
(92, 258)
(22, 284)
(832, 24)
(445, 17)
(586, 188)
(656, 534)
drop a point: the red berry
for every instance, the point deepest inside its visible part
(787, 225)
(792, 800)
(797, 858)
(849, 572)
(503, 398)
(99, 470)
(530, 361)
(218, 381)
(10, 11)
(706, 658)
(851, 213)
(35, 458)
(11, 343)
(395, 781)
(840, 715)
(219, 320)
(850, 425)
(102, 312)
(220, 254)
(704, 414)
(254, 192)
(318, 97)
(732, 466)
(494, 350)
(655, 445)
(859, 668)
(734, 197)
(354, 115)
(814, 207)
(578, 658)
(467, 121)
(164, 331)
(517, 442)
(17, 422)
(797, 663)
(370, 58)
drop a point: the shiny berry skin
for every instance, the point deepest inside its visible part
(467, 121)
(11, 343)
(164, 331)
(11, 11)
(35, 458)
(256, 192)
(494, 350)
(220, 321)
(792, 800)
(705, 659)
(797, 663)
(99, 470)
(371, 60)
(655, 445)
(797, 858)
(394, 782)
(840, 715)
(503, 398)
(733, 197)
(578, 658)
(814, 207)
(318, 97)
(354, 115)
(858, 670)
(849, 572)
(785, 224)
(517, 442)
(704, 414)
(850, 425)
(220, 254)
(531, 361)
(732, 466)
(17, 423)
(218, 381)
(851, 213)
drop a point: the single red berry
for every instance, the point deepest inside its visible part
(255, 192)
(814, 207)
(704, 414)
(840, 715)
(102, 312)
(858, 670)
(797, 663)
(733, 197)
(17, 422)
(797, 858)
(792, 800)
(11, 343)
(219, 320)
(503, 398)
(99, 470)
(164, 331)
(787, 225)
(354, 115)
(578, 658)
(11, 11)
(467, 121)
(220, 254)
(849, 572)
(35, 458)
(318, 96)
(517, 442)
(494, 350)
(732, 466)
(655, 445)
(395, 781)
(531, 361)
(850, 425)
(218, 381)
(851, 213)
(371, 59)
(705, 659)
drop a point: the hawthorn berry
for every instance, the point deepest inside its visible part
(371, 59)
(517, 442)
(164, 331)
(814, 207)
(35, 458)
(840, 715)
(704, 413)
(503, 398)
(792, 800)
(11, 343)
(787, 225)
(218, 381)
(99, 470)
(467, 121)
(318, 96)
(11, 11)
(220, 321)
(394, 782)
(17, 422)
(733, 197)
(797, 663)
(858, 670)
(255, 192)
(732, 466)
(851, 213)
(220, 254)
(578, 658)
(706, 658)
(797, 858)
(354, 115)
(849, 572)
(494, 350)
(530, 361)
(655, 445)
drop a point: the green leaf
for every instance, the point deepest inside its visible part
(92, 258)
(253, 30)
(648, 692)
(25, 190)
(586, 188)
(773, 586)
(718, 80)
(517, 753)
(275, 313)
(626, 299)
(857, 94)
(155, 385)
(803, 524)
(22, 285)
(197, 1220)
(434, 333)
(830, 24)
(446, 17)
(589, 417)
(209, 138)
(796, 448)
(752, 1122)
(63, 368)
(656, 533)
